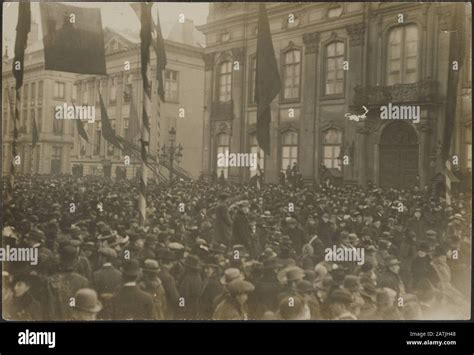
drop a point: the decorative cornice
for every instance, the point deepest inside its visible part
(356, 34)
(311, 42)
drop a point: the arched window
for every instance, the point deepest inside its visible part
(223, 145)
(334, 80)
(289, 149)
(255, 149)
(332, 141)
(402, 55)
(225, 81)
(291, 74)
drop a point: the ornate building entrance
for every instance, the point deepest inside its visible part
(399, 156)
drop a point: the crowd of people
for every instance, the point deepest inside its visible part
(228, 251)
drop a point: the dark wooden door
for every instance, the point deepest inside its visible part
(398, 166)
(399, 156)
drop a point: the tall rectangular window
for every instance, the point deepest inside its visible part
(225, 81)
(56, 160)
(33, 94)
(113, 91)
(40, 93)
(289, 149)
(223, 145)
(57, 125)
(402, 55)
(59, 90)
(334, 83)
(171, 85)
(291, 74)
(332, 141)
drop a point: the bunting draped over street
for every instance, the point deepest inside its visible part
(268, 82)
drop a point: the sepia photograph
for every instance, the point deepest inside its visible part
(236, 161)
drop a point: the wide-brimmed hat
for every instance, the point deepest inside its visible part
(458, 216)
(230, 275)
(86, 300)
(109, 252)
(131, 267)
(391, 260)
(290, 273)
(238, 287)
(192, 262)
(150, 266)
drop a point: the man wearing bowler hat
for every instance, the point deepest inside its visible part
(131, 303)
(86, 305)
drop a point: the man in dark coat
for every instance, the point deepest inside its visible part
(421, 268)
(296, 234)
(265, 298)
(190, 288)
(391, 276)
(167, 260)
(131, 303)
(211, 288)
(223, 222)
(241, 231)
(22, 306)
(64, 284)
(107, 279)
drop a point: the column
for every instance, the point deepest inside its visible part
(362, 133)
(424, 130)
(308, 130)
(206, 137)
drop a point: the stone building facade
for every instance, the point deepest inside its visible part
(335, 58)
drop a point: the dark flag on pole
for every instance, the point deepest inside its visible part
(133, 124)
(80, 128)
(73, 39)
(145, 42)
(456, 54)
(23, 27)
(159, 46)
(267, 79)
(107, 131)
(34, 132)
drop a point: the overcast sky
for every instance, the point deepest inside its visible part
(118, 15)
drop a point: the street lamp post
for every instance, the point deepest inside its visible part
(172, 152)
